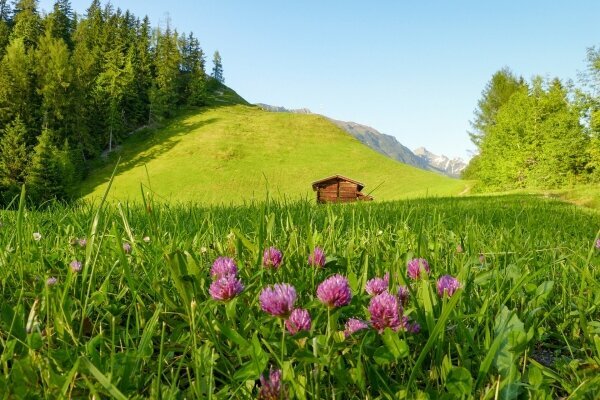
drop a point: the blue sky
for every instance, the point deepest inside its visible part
(411, 69)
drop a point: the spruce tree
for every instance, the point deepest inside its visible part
(55, 86)
(142, 69)
(18, 95)
(13, 157)
(164, 94)
(193, 76)
(5, 13)
(497, 93)
(44, 180)
(217, 71)
(87, 59)
(60, 22)
(27, 22)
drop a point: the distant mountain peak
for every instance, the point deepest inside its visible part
(452, 167)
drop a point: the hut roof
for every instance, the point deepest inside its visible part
(337, 177)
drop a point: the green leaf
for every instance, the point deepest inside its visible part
(353, 282)
(233, 335)
(395, 345)
(433, 336)
(305, 356)
(102, 379)
(510, 338)
(257, 363)
(184, 282)
(145, 348)
(543, 292)
(534, 376)
(459, 382)
(247, 243)
(383, 356)
(35, 341)
(426, 299)
(358, 375)
(69, 378)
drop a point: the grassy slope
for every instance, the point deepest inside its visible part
(224, 154)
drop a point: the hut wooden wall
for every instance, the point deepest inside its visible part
(337, 191)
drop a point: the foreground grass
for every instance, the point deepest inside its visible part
(141, 324)
(230, 154)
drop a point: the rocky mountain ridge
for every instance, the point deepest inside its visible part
(451, 166)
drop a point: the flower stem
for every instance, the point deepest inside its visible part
(282, 355)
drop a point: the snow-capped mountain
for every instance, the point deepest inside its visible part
(452, 167)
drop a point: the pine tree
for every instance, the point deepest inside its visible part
(13, 157)
(27, 23)
(5, 13)
(44, 178)
(217, 71)
(66, 159)
(55, 85)
(497, 93)
(138, 97)
(193, 76)
(112, 84)
(87, 60)
(164, 94)
(60, 22)
(18, 94)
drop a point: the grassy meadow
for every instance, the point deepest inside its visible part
(136, 318)
(237, 153)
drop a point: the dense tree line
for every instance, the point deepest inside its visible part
(73, 86)
(542, 133)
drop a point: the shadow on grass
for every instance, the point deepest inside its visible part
(142, 147)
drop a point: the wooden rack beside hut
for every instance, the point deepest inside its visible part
(338, 188)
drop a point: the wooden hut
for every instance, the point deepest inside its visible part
(338, 188)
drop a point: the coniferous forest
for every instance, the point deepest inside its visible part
(72, 86)
(544, 133)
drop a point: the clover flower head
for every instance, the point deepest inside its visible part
(416, 266)
(127, 248)
(403, 295)
(317, 258)
(278, 300)
(447, 285)
(334, 291)
(354, 325)
(377, 285)
(270, 388)
(272, 258)
(223, 266)
(225, 288)
(75, 266)
(385, 312)
(299, 320)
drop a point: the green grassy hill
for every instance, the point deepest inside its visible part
(232, 153)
